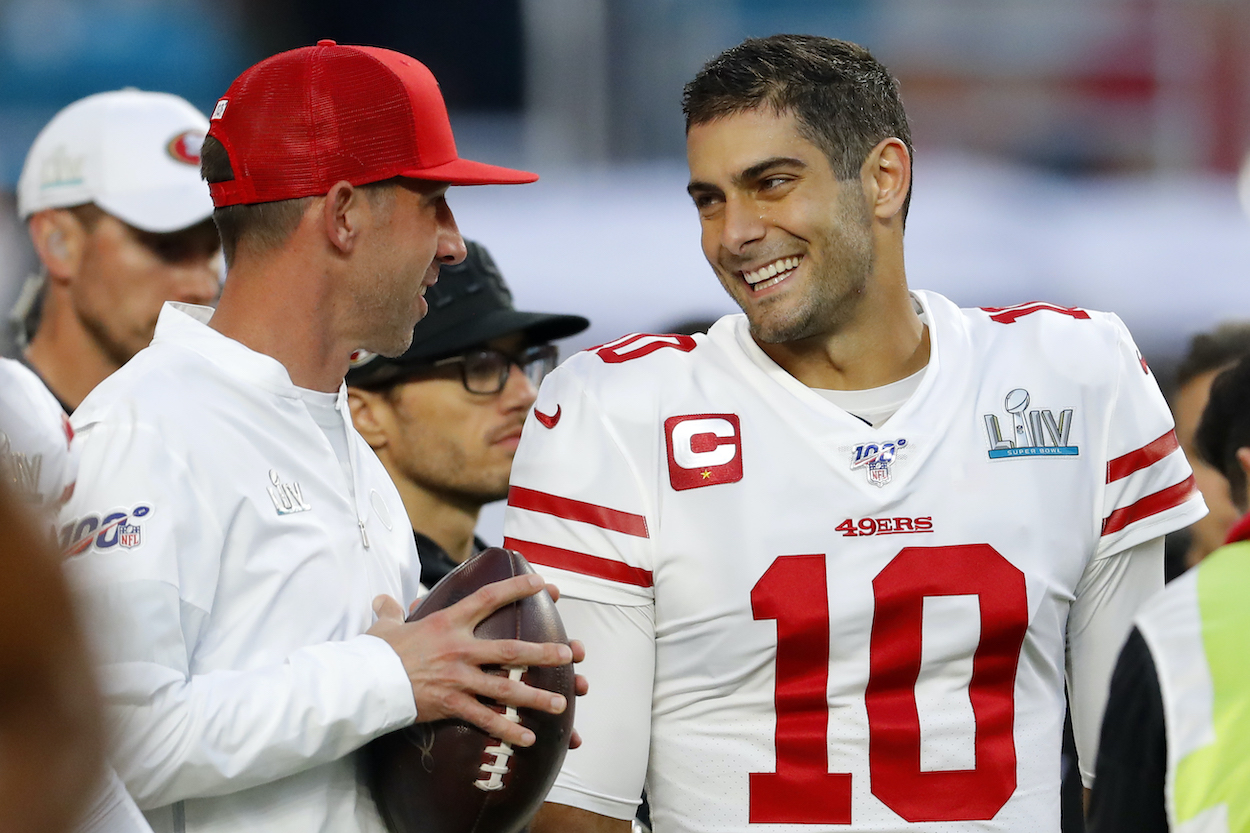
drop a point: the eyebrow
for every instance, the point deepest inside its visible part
(750, 174)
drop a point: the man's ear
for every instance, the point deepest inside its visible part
(370, 415)
(1243, 460)
(886, 177)
(343, 215)
(59, 240)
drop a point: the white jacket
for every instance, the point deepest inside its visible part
(232, 567)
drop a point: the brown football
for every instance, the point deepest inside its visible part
(448, 776)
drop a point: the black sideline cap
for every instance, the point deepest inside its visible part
(470, 305)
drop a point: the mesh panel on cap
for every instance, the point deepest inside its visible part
(269, 127)
(363, 121)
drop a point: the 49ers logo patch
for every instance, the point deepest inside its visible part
(703, 450)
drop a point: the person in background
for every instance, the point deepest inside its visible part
(445, 417)
(1175, 747)
(38, 467)
(1209, 353)
(51, 743)
(121, 222)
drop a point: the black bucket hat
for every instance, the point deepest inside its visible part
(470, 305)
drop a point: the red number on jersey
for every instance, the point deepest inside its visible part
(802, 791)
(1008, 315)
(899, 591)
(641, 344)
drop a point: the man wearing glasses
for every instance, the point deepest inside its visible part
(445, 417)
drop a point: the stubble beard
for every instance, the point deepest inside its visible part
(835, 287)
(116, 349)
(450, 474)
(387, 317)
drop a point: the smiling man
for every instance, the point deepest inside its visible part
(445, 417)
(832, 560)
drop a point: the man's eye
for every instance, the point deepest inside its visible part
(702, 201)
(773, 182)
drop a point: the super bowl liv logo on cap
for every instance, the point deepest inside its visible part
(1033, 433)
(60, 169)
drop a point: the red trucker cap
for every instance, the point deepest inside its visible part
(296, 123)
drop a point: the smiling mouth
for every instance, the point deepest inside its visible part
(772, 273)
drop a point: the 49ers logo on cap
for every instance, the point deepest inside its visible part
(703, 450)
(186, 147)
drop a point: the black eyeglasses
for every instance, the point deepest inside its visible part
(486, 371)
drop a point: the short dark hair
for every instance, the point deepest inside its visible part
(1209, 351)
(265, 225)
(845, 100)
(1225, 427)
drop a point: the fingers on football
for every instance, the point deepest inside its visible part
(514, 652)
(486, 600)
(515, 693)
(495, 724)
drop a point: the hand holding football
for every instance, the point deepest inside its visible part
(448, 776)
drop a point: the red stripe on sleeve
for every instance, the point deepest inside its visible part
(1160, 501)
(580, 562)
(1147, 455)
(576, 510)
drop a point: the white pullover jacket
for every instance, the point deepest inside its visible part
(232, 560)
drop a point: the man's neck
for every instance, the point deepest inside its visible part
(70, 362)
(446, 521)
(883, 341)
(286, 309)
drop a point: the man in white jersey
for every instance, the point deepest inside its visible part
(832, 560)
(245, 552)
(38, 467)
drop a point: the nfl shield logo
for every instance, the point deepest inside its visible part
(879, 470)
(876, 458)
(128, 535)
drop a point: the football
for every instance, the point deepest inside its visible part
(449, 776)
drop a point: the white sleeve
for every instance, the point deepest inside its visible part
(1149, 489)
(605, 774)
(578, 510)
(178, 735)
(112, 810)
(36, 457)
(1110, 593)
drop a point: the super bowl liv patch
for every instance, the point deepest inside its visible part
(1029, 433)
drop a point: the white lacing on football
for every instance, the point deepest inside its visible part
(494, 771)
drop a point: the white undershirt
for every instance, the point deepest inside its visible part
(875, 405)
(323, 407)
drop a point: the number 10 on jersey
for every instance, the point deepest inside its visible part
(802, 791)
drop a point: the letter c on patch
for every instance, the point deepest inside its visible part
(703, 450)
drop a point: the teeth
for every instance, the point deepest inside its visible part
(766, 273)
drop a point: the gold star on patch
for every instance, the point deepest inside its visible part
(706, 474)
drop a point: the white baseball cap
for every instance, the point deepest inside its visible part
(135, 154)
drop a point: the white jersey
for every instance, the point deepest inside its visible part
(36, 459)
(848, 628)
(232, 562)
(39, 463)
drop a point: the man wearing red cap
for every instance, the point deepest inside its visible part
(247, 551)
